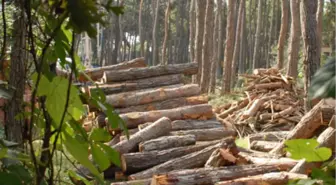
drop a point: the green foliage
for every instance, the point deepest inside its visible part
(243, 142)
(307, 149)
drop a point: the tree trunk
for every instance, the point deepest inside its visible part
(167, 142)
(164, 60)
(283, 31)
(141, 35)
(139, 73)
(215, 56)
(271, 34)
(319, 22)
(189, 161)
(228, 48)
(200, 14)
(192, 27)
(157, 129)
(235, 59)
(310, 43)
(207, 50)
(155, 34)
(294, 44)
(135, 162)
(166, 104)
(257, 49)
(203, 111)
(117, 39)
(17, 77)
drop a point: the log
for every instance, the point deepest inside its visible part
(308, 124)
(139, 98)
(256, 105)
(97, 73)
(206, 134)
(166, 142)
(157, 129)
(263, 71)
(135, 162)
(268, 136)
(209, 176)
(283, 162)
(195, 124)
(283, 113)
(135, 182)
(142, 126)
(327, 138)
(166, 104)
(202, 111)
(264, 146)
(192, 160)
(114, 141)
(147, 83)
(332, 122)
(241, 104)
(275, 178)
(132, 74)
(269, 86)
(221, 157)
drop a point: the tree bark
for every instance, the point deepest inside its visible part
(203, 111)
(167, 142)
(319, 22)
(258, 37)
(166, 81)
(142, 49)
(200, 14)
(207, 49)
(157, 129)
(117, 40)
(135, 98)
(138, 73)
(195, 124)
(155, 34)
(135, 182)
(235, 59)
(209, 176)
(135, 162)
(164, 60)
(215, 56)
(294, 44)
(189, 161)
(263, 146)
(166, 104)
(310, 43)
(283, 31)
(268, 136)
(192, 27)
(228, 48)
(206, 134)
(17, 77)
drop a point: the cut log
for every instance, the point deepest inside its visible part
(256, 105)
(203, 111)
(284, 163)
(241, 104)
(135, 162)
(308, 124)
(132, 74)
(206, 134)
(263, 146)
(275, 178)
(157, 129)
(332, 122)
(114, 141)
(209, 176)
(135, 182)
(142, 126)
(140, 98)
(263, 71)
(166, 104)
(221, 157)
(195, 124)
(166, 142)
(97, 73)
(193, 160)
(268, 136)
(283, 113)
(272, 85)
(167, 81)
(325, 139)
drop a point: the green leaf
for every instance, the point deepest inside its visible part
(77, 178)
(306, 149)
(9, 179)
(3, 152)
(21, 172)
(80, 152)
(243, 142)
(100, 157)
(100, 135)
(322, 175)
(302, 182)
(112, 154)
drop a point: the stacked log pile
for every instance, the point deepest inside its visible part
(272, 103)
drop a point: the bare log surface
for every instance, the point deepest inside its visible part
(209, 176)
(135, 162)
(166, 142)
(132, 74)
(166, 104)
(275, 178)
(264, 146)
(193, 160)
(308, 124)
(269, 136)
(206, 134)
(157, 129)
(167, 81)
(135, 182)
(144, 97)
(195, 124)
(97, 73)
(327, 138)
(202, 111)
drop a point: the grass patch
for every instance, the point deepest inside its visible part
(217, 99)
